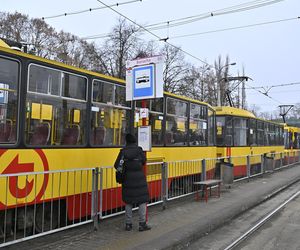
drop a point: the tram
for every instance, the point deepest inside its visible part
(55, 117)
(240, 133)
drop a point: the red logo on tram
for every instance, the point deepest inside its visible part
(28, 186)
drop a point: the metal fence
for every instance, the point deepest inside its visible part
(35, 204)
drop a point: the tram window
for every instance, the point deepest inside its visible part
(211, 127)
(74, 86)
(109, 125)
(272, 135)
(278, 135)
(156, 120)
(286, 138)
(176, 107)
(266, 135)
(176, 130)
(9, 85)
(198, 127)
(157, 105)
(138, 104)
(252, 132)
(53, 119)
(260, 133)
(176, 122)
(44, 80)
(120, 97)
(103, 92)
(220, 120)
(229, 131)
(240, 132)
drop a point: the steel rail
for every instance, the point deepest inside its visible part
(260, 223)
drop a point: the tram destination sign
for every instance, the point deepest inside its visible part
(144, 78)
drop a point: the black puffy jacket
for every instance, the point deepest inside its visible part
(134, 186)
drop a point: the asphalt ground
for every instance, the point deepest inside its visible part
(182, 222)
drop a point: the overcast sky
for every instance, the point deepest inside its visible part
(269, 53)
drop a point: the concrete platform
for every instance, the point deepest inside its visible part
(182, 222)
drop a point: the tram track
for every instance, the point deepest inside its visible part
(254, 228)
(234, 234)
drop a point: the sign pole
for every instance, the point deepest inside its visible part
(144, 123)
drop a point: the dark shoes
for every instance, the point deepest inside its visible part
(143, 226)
(128, 227)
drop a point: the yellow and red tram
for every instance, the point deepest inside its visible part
(58, 117)
(240, 133)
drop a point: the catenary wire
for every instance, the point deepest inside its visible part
(237, 27)
(153, 34)
(185, 20)
(89, 10)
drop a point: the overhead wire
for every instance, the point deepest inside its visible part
(237, 27)
(153, 34)
(190, 19)
(89, 10)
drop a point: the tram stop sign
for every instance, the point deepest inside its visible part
(144, 78)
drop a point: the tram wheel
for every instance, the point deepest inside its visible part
(44, 220)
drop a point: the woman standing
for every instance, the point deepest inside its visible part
(134, 186)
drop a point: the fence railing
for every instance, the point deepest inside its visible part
(38, 203)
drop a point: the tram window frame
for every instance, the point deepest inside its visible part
(9, 127)
(172, 135)
(240, 131)
(252, 141)
(211, 124)
(104, 93)
(229, 136)
(198, 116)
(220, 130)
(109, 109)
(71, 131)
(260, 133)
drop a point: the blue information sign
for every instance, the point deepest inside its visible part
(143, 82)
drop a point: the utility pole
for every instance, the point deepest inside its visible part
(219, 82)
(243, 95)
(235, 78)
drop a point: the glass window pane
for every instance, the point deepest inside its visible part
(109, 126)
(157, 105)
(176, 107)
(211, 127)
(120, 97)
(9, 86)
(220, 120)
(176, 130)
(103, 92)
(240, 132)
(138, 104)
(44, 80)
(54, 121)
(74, 86)
(156, 121)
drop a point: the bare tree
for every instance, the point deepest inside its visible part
(121, 46)
(175, 69)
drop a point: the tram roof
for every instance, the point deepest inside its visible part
(233, 111)
(4, 47)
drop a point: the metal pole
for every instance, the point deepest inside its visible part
(203, 174)
(101, 192)
(164, 183)
(95, 198)
(248, 167)
(262, 164)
